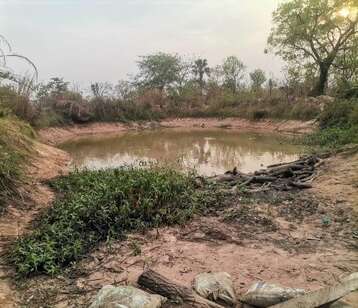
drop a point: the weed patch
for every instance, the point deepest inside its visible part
(96, 206)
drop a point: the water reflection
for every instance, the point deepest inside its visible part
(209, 151)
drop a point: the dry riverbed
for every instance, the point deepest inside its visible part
(304, 239)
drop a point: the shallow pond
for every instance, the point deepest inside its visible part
(209, 151)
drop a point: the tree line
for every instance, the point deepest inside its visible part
(318, 39)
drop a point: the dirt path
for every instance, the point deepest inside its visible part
(47, 163)
(57, 135)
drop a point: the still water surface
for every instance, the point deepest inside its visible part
(209, 151)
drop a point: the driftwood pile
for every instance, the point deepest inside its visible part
(298, 174)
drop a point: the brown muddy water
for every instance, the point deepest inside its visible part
(209, 151)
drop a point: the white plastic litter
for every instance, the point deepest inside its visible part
(217, 287)
(126, 297)
(263, 295)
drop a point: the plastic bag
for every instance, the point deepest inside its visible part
(215, 287)
(263, 295)
(126, 297)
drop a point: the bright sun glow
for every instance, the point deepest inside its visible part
(344, 12)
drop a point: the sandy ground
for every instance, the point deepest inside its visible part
(47, 163)
(57, 135)
(339, 179)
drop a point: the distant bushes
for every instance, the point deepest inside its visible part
(56, 105)
(95, 206)
(340, 114)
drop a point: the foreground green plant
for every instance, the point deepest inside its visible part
(96, 206)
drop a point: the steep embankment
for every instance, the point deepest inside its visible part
(25, 165)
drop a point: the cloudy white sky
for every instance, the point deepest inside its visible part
(88, 40)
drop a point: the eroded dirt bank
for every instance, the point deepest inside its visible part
(47, 162)
(57, 135)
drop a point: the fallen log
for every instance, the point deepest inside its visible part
(298, 161)
(292, 167)
(300, 185)
(158, 284)
(323, 296)
(262, 179)
(227, 177)
(302, 172)
(285, 176)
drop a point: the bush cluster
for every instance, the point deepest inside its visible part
(338, 125)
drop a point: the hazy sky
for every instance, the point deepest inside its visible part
(88, 40)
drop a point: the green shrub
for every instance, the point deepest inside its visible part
(302, 111)
(338, 125)
(333, 138)
(98, 205)
(340, 113)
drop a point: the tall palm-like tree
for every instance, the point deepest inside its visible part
(200, 69)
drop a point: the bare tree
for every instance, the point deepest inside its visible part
(6, 52)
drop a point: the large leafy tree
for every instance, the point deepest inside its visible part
(233, 72)
(159, 70)
(315, 31)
